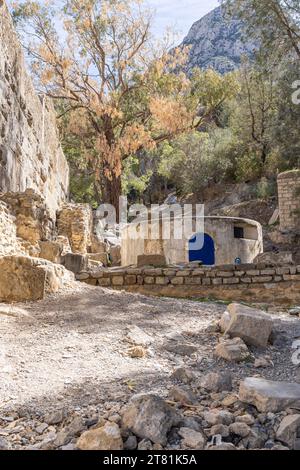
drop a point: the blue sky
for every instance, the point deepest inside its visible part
(179, 14)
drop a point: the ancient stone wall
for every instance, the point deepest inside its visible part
(30, 153)
(75, 221)
(262, 282)
(289, 200)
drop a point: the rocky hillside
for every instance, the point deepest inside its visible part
(218, 41)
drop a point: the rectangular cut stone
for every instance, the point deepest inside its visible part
(104, 281)
(269, 396)
(262, 279)
(246, 280)
(198, 272)
(149, 280)
(176, 281)
(151, 260)
(117, 280)
(268, 272)
(183, 273)
(217, 281)
(169, 272)
(130, 279)
(153, 272)
(228, 281)
(206, 282)
(225, 274)
(253, 272)
(162, 280)
(291, 277)
(281, 271)
(192, 280)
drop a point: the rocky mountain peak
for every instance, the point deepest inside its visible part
(218, 42)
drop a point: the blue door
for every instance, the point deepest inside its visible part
(206, 254)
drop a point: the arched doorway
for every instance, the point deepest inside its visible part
(206, 254)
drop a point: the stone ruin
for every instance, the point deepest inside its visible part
(40, 231)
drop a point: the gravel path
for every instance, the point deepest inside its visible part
(70, 351)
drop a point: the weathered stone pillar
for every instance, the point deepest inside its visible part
(289, 200)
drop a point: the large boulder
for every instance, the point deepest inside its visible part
(149, 417)
(271, 396)
(251, 325)
(25, 278)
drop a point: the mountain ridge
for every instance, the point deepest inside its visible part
(218, 42)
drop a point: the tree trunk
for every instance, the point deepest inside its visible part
(112, 191)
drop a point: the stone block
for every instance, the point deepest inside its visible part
(151, 260)
(75, 262)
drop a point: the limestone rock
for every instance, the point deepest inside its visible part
(282, 258)
(225, 321)
(289, 430)
(24, 278)
(130, 443)
(51, 251)
(217, 382)
(192, 439)
(183, 374)
(218, 417)
(75, 222)
(108, 437)
(251, 325)
(239, 429)
(183, 349)
(149, 417)
(137, 336)
(271, 396)
(115, 255)
(75, 262)
(183, 395)
(234, 350)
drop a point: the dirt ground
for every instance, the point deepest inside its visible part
(70, 351)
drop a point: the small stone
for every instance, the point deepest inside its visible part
(130, 443)
(148, 416)
(76, 426)
(218, 417)
(192, 439)
(107, 437)
(261, 362)
(233, 350)
(182, 395)
(145, 444)
(138, 337)
(41, 428)
(3, 444)
(55, 417)
(137, 352)
(219, 429)
(217, 382)
(246, 419)
(69, 447)
(223, 446)
(183, 374)
(295, 311)
(182, 349)
(239, 429)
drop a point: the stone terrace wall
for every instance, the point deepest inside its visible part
(30, 153)
(289, 200)
(259, 283)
